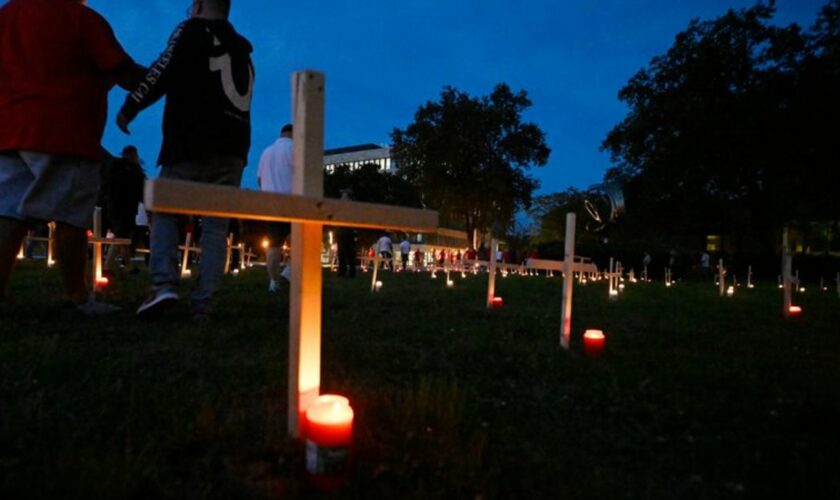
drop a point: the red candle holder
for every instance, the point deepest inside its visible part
(497, 303)
(795, 310)
(102, 281)
(593, 343)
(328, 428)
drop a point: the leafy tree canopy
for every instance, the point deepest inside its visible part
(726, 132)
(469, 156)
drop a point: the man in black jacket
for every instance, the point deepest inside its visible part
(207, 76)
(122, 190)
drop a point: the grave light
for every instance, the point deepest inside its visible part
(795, 310)
(497, 303)
(802, 290)
(235, 272)
(328, 431)
(102, 281)
(89, 233)
(378, 286)
(450, 283)
(593, 343)
(265, 243)
(186, 274)
(730, 291)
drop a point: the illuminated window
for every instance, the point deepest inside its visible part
(713, 243)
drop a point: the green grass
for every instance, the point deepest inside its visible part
(697, 396)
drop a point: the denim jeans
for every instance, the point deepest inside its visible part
(164, 261)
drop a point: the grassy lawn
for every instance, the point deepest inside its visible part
(697, 396)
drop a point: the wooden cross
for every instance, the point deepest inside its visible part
(308, 211)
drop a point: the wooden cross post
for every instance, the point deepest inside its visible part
(749, 277)
(721, 278)
(185, 261)
(308, 211)
(568, 282)
(305, 293)
(787, 264)
(50, 244)
(375, 273)
(491, 269)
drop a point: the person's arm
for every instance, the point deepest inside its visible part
(156, 80)
(106, 53)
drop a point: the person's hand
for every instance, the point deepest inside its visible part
(122, 123)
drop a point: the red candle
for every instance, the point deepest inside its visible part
(329, 433)
(102, 281)
(593, 343)
(794, 310)
(497, 303)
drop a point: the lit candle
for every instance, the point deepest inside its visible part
(328, 429)
(378, 286)
(102, 281)
(450, 283)
(497, 302)
(730, 291)
(593, 343)
(794, 310)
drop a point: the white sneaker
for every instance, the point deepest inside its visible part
(161, 298)
(287, 273)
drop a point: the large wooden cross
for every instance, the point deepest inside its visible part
(308, 211)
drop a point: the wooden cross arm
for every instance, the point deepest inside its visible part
(181, 197)
(557, 265)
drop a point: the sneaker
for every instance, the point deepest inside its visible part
(94, 309)
(162, 297)
(287, 273)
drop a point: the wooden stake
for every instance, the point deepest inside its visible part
(97, 247)
(721, 278)
(568, 282)
(305, 287)
(375, 273)
(185, 261)
(787, 265)
(491, 280)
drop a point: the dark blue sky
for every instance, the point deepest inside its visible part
(383, 59)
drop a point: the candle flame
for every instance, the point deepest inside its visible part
(594, 334)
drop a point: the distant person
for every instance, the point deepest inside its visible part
(646, 260)
(123, 192)
(346, 246)
(275, 176)
(385, 248)
(207, 76)
(58, 60)
(405, 252)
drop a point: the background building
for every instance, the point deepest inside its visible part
(356, 156)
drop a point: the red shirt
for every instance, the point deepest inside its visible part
(57, 58)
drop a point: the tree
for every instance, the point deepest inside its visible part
(722, 134)
(469, 157)
(368, 183)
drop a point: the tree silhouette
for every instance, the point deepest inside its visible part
(469, 157)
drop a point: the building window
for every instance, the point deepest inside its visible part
(713, 243)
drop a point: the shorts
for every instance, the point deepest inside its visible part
(277, 233)
(46, 187)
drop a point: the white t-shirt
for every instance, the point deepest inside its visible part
(275, 172)
(405, 247)
(384, 244)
